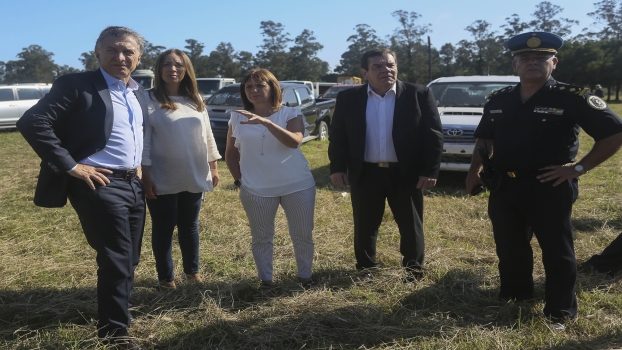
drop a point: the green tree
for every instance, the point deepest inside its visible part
(246, 61)
(2, 71)
(545, 19)
(303, 61)
(221, 61)
(89, 61)
(35, 65)
(408, 45)
(65, 69)
(609, 13)
(513, 26)
(150, 55)
(272, 54)
(486, 48)
(194, 50)
(447, 60)
(364, 39)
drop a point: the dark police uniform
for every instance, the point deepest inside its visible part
(527, 136)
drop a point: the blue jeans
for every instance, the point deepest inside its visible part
(167, 211)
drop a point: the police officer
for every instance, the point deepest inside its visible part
(528, 135)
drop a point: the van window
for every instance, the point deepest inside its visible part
(227, 96)
(465, 94)
(6, 95)
(305, 95)
(208, 87)
(28, 94)
(289, 98)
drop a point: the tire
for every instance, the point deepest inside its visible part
(322, 131)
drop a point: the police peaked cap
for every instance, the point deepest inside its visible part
(534, 42)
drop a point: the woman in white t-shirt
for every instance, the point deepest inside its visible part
(264, 158)
(179, 164)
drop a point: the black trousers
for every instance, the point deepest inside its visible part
(167, 211)
(375, 186)
(113, 219)
(520, 208)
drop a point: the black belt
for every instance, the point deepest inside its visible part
(383, 164)
(123, 174)
(521, 174)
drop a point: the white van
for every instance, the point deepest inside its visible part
(460, 102)
(208, 86)
(17, 99)
(144, 77)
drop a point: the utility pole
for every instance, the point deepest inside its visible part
(429, 60)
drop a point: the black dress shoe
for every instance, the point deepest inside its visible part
(412, 275)
(122, 343)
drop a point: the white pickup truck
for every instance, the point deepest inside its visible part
(460, 102)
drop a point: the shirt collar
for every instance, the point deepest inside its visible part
(113, 82)
(392, 90)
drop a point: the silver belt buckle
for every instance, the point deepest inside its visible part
(383, 164)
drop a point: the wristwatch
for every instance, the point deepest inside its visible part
(237, 183)
(579, 168)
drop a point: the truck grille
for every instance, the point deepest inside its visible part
(458, 135)
(456, 158)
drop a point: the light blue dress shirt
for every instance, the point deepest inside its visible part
(124, 148)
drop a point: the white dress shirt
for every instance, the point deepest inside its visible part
(379, 131)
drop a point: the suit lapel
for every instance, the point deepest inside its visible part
(104, 94)
(397, 111)
(141, 96)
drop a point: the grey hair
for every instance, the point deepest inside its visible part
(118, 31)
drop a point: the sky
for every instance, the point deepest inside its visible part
(69, 27)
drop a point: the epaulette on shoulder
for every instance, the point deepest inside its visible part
(499, 92)
(572, 89)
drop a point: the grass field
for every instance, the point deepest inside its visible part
(48, 276)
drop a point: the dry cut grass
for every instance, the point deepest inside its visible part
(47, 289)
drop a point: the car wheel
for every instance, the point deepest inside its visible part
(322, 131)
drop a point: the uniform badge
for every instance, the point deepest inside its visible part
(548, 110)
(596, 102)
(496, 111)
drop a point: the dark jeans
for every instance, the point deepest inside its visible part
(519, 209)
(113, 219)
(167, 211)
(406, 202)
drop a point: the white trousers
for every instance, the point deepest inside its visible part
(261, 212)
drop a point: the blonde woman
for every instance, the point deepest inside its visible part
(179, 164)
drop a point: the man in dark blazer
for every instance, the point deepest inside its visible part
(386, 143)
(88, 132)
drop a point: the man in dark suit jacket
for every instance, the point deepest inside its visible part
(88, 132)
(386, 143)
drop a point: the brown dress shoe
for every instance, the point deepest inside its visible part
(167, 284)
(194, 278)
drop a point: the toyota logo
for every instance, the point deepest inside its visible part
(454, 132)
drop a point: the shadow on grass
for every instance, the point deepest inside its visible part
(447, 303)
(611, 340)
(449, 182)
(420, 315)
(592, 225)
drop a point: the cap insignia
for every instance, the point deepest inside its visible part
(534, 42)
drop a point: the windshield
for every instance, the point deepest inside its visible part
(145, 82)
(227, 96)
(466, 94)
(207, 87)
(334, 90)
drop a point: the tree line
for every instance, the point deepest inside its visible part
(591, 57)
